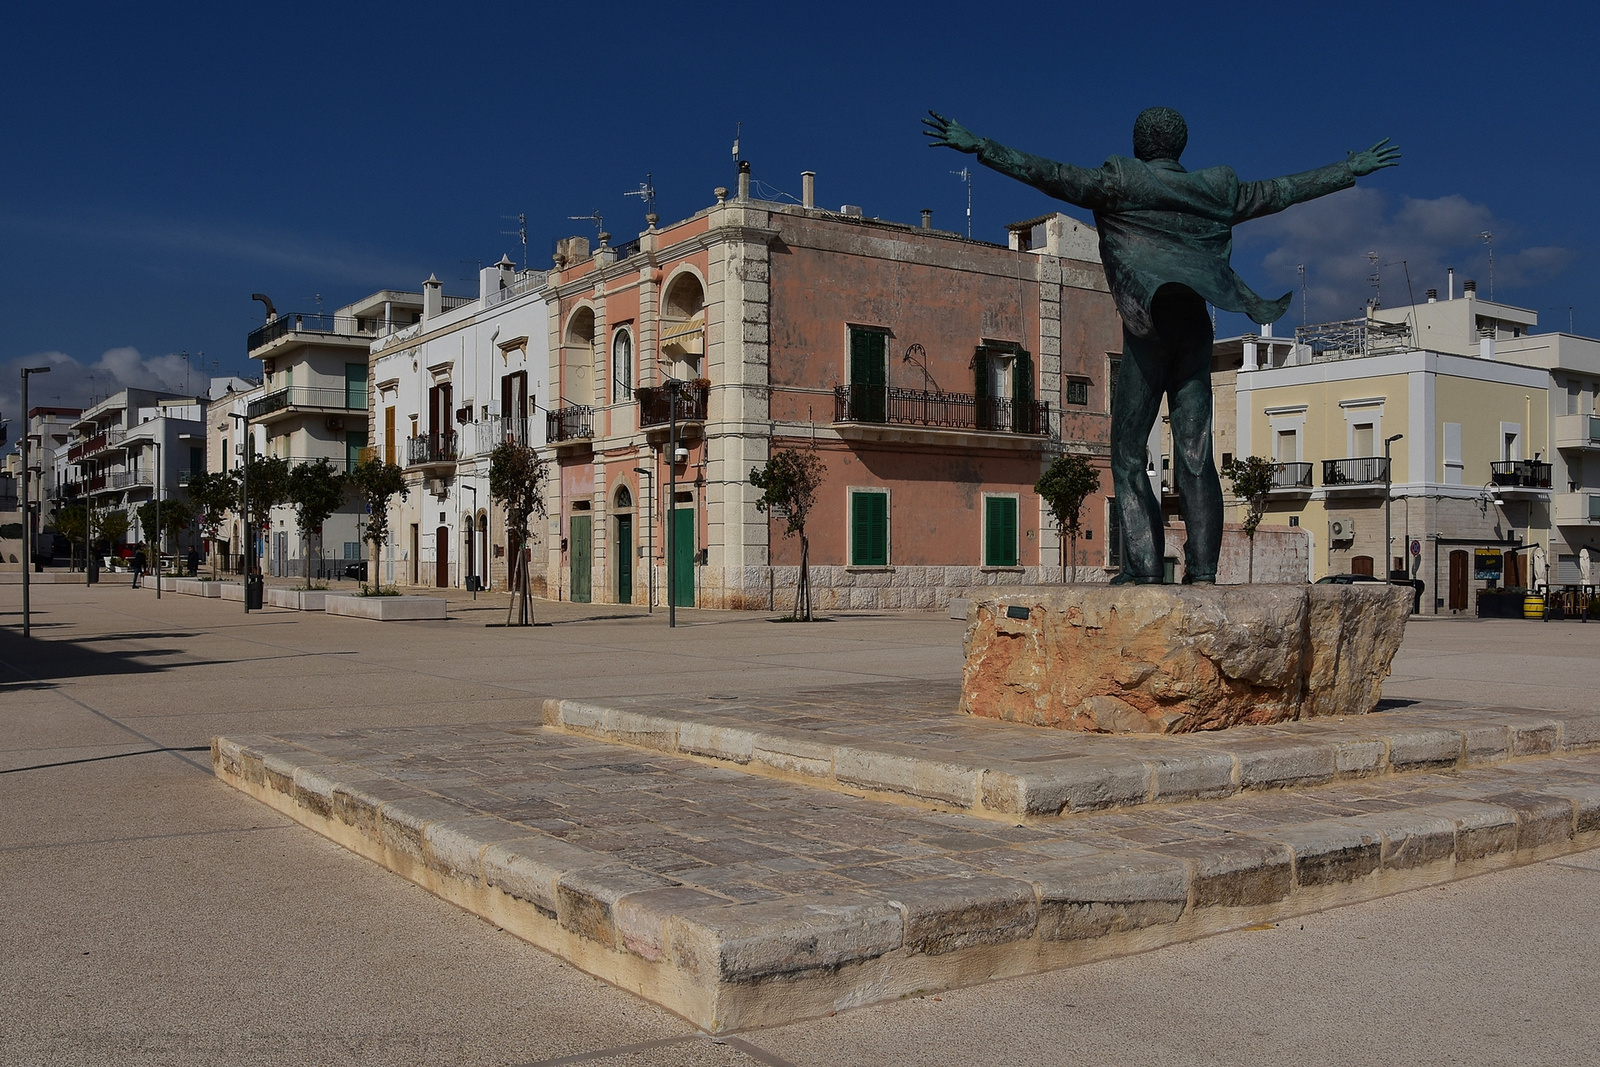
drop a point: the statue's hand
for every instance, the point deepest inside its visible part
(1383, 154)
(948, 133)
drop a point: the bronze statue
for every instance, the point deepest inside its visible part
(1166, 237)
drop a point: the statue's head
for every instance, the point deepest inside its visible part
(1159, 133)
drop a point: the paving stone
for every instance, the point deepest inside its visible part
(1359, 757)
(913, 774)
(1481, 829)
(946, 914)
(1278, 762)
(1236, 872)
(454, 845)
(530, 867)
(1329, 852)
(586, 897)
(1191, 774)
(1541, 818)
(743, 942)
(1424, 748)
(401, 823)
(1535, 738)
(641, 918)
(1089, 896)
(1411, 838)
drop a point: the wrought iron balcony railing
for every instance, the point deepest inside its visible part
(1291, 476)
(954, 411)
(1520, 474)
(570, 423)
(431, 448)
(655, 403)
(1367, 470)
(350, 398)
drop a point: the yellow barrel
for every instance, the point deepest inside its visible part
(1533, 606)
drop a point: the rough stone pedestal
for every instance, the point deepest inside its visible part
(1171, 659)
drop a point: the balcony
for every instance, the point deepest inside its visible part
(1291, 478)
(1365, 474)
(1520, 474)
(655, 403)
(1576, 509)
(300, 398)
(883, 405)
(575, 423)
(503, 430)
(431, 450)
(1578, 431)
(107, 438)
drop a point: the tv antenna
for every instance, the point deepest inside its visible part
(1375, 279)
(521, 233)
(647, 193)
(1301, 268)
(599, 223)
(1488, 238)
(965, 174)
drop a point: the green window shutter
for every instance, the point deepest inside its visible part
(1000, 540)
(869, 394)
(982, 416)
(869, 540)
(1022, 393)
(355, 386)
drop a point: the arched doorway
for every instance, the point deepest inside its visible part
(577, 359)
(469, 551)
(1361, 565)
(622, 512)
(483, 548)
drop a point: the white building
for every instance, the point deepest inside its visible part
(128, 443)
(467, 376)
(314, 406)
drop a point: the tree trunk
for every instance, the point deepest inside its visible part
(1252, 571)
(1074, 557)
(802, 589)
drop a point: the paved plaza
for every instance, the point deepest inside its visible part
(155, 915)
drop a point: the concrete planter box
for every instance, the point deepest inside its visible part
(231, 591)
(193, 586)
(299, 599)
(385, 608)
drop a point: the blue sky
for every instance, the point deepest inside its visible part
(165, 162)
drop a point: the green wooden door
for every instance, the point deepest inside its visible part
(624, 559)
(1000, 533)
(355, 386)
(869, 385)
(683, 553)
(580, 553)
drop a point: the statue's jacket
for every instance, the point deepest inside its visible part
(1161, 224)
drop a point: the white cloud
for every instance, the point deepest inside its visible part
(76, 384)
(1333, 236)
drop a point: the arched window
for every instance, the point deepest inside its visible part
(624, 498)
(683, 327)
(621, 365)
(577, 356)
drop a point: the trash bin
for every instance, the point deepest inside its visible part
(253, 586)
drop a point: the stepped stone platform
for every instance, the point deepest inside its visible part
(737, 898)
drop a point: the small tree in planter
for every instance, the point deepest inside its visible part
(375, 483)
(316, 490)
(212, 494)
(1065, 485)
(789, 484)
(269, 487)
(1252, 480)
(516, 482)
(176, 515)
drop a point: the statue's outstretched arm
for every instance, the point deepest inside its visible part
(1264, 198)
(1063, 181)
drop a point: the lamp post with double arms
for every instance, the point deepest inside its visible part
(650, 533)
(155, 564)
(27, 503)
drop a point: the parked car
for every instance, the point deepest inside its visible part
(1349, 579)
(357, 570)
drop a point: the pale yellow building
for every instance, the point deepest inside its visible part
(1406, 414)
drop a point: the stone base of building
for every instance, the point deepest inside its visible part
(1163, 659)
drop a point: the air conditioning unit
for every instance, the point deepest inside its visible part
(335, 423)
(436, 487)
(1341, 528)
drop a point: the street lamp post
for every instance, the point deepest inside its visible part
(27, 504)
(244, 494)
(650, 533)
(156, 563)
(1388, 484)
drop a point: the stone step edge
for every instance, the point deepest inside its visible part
(724, 966)
(1076, 783)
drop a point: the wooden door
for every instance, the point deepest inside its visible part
(683, 553)
(1516, 575)
(580, 549)
(1458, 580)
(869, 393)
(624, 559)
(441, 555)
(1361, 565)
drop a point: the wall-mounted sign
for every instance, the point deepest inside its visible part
(1487, 564)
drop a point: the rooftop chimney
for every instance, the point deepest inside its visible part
(927, 218)
(808, 188)
(432, 297)
(1433, 296)
(744, 179)
(1469, 288)
(1450, 293)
